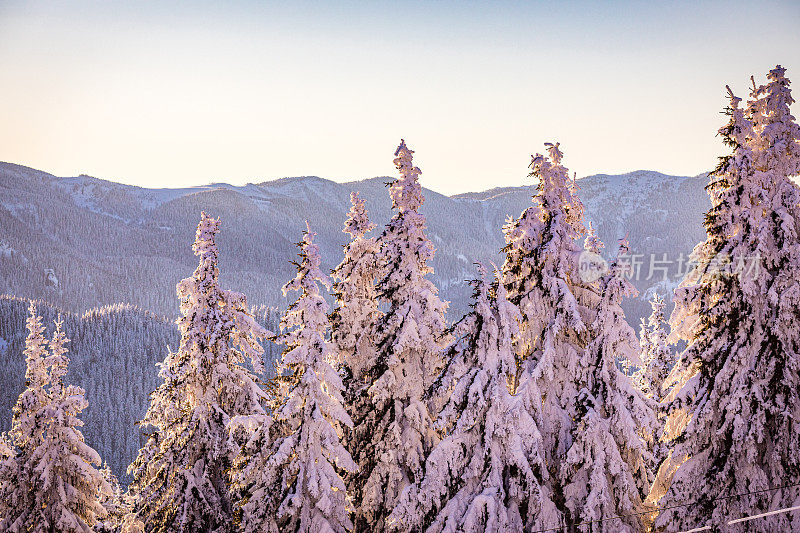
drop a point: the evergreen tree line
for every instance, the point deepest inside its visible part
(538, 410)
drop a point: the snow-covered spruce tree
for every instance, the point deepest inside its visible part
(113, 502)
(656, 354)
(307, 492)
(396, 431)
(487, 473)
(542, 250)
(541, 276)
(777, 156)
(605, 472)
(573, 332)
(28, 427)
(58, 487)
(353, 320)
(181, 474)
(776, 143)
(69, 484)
(738, 378)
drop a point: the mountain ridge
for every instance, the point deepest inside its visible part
(93, 242)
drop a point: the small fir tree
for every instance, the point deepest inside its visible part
(309, 493)
(353, 320)
(57, 485)
(656, 356)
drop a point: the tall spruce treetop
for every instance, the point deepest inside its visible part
(181, 474)
(396, 432)
(738, 378)
(540, 270)
(353, 320)
(487, 474)
(777, 141)
(413, 326)
(606, 472)
(541, 276)
(28, 426)
(311, 495)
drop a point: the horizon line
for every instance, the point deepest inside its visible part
(343, 182)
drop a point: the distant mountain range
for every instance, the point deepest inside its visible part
(82, 242)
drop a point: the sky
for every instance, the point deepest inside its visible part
(173, 94)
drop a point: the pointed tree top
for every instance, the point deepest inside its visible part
(557, 193)
(657, 302)
(539, 161)
(204, 244)
(309, 271)
(406, 192)
(735, 100)
(310, 249)
(357, 223)
(778, 73)
(35, 349)
(555, 154)
(481, 286)
(58, 351)
(403, 149)
(593, 243)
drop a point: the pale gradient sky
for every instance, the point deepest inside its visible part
(187, 93)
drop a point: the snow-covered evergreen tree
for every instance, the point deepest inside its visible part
(776, 142)
(393, 437)
(656, 354)
(606, 473)
(738, 378)
(594, 423)
(353, 320)
(593, 244)
(540, 270)
(487, 474)
(541, 276)
(306, 492)
(113, 501)
(69, 483)
(57, 485)
(29, 424)
(181, 475)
